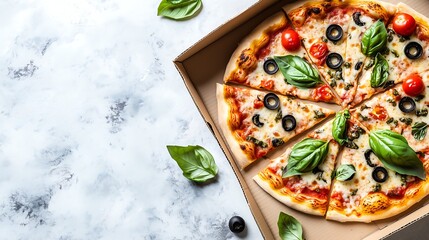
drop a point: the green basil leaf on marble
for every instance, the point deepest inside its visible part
(305, 156)
(374, 39)
(179, 9)
(297, 71)
(394, 152)
(339, 126)
(419, 130)
(196, 162)
(380, 72)
(289, 227)
(345, 172)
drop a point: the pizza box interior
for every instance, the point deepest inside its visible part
(203, 65)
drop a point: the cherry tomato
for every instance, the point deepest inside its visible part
(319, 50)
(291, 40)
(258, 104)
(324, 93)
(413, 85)
(404, 24)
(267, 84)
(379, 113)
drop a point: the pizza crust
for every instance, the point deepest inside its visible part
(412, 196)
(288, 200)
(251, 44)
(223, 116)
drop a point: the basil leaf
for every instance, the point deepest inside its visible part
(380, 72)
(289, 227)
(419, 130)
(374, 39)
(179, 9)
(339, 126)
(305, 156)
(345, 172)
(394, 152)
(297, 71)
(196, 162)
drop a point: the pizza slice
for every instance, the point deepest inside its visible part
(254, 122)
(414, 99)
(366, 189)
(323, 27)
(272, 58)
(366, 37)
(305, 187)
(406, 54)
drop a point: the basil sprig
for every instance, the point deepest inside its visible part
(345, 172)
(419, 130)
(297, 71)
(289, 227)
(196, 162)
(374, 39)
(394, 152)
(305, 156)
(339, 126)
(380, 72)
(179, 9)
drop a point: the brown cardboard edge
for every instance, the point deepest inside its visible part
(221, 30)
(400, 224)
(254, 208)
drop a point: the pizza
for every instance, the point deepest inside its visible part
(254, 122)
(365, 61)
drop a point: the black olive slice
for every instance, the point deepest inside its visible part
(368, 158)
(413, 50)
(289, 123)
(356, 19)
(358, 65)
(271, 101)
(270, 66)
(236, 224)
(407, 104)
(334, 60)
(255, 120)
(380, 174)
(334, 32)
(277, 142)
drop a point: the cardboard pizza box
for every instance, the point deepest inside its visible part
(200, 79)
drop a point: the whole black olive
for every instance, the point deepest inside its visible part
(356, 19)
(271, 101)
(334, 60)
(407, 105)
(334, 32)
(380, 174)
(270, 66)
(413, 50)
(288, 123)
(236, 224)
(255, 120)
(368, 158)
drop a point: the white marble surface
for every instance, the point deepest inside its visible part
(89, 98)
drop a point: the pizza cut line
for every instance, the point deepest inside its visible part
(371, 161)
